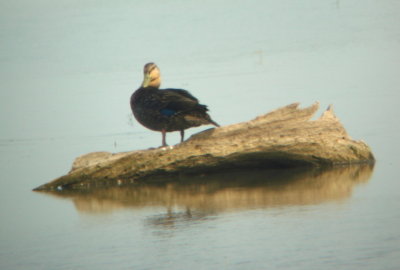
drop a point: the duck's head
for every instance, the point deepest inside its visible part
(152, 77)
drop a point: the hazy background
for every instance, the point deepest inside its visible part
(68, 68)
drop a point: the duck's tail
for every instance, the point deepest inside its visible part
(214, 123)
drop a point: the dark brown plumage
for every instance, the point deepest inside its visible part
(166, 110)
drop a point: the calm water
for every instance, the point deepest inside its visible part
(67, 71)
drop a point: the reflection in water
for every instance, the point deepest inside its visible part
(198, 197)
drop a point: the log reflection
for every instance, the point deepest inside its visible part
(209, 194)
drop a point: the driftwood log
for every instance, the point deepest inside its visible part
(228, 190)
(283, 138)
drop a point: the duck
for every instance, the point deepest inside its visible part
(166, 110)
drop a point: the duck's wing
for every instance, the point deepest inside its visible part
(180, 94)
(179, 100)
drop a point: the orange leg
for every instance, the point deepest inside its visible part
(164, 133)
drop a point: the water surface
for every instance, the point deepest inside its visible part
(68, 69)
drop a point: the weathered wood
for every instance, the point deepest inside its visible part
(228, 190)
(282, 138)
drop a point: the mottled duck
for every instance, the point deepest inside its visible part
(166, 110)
